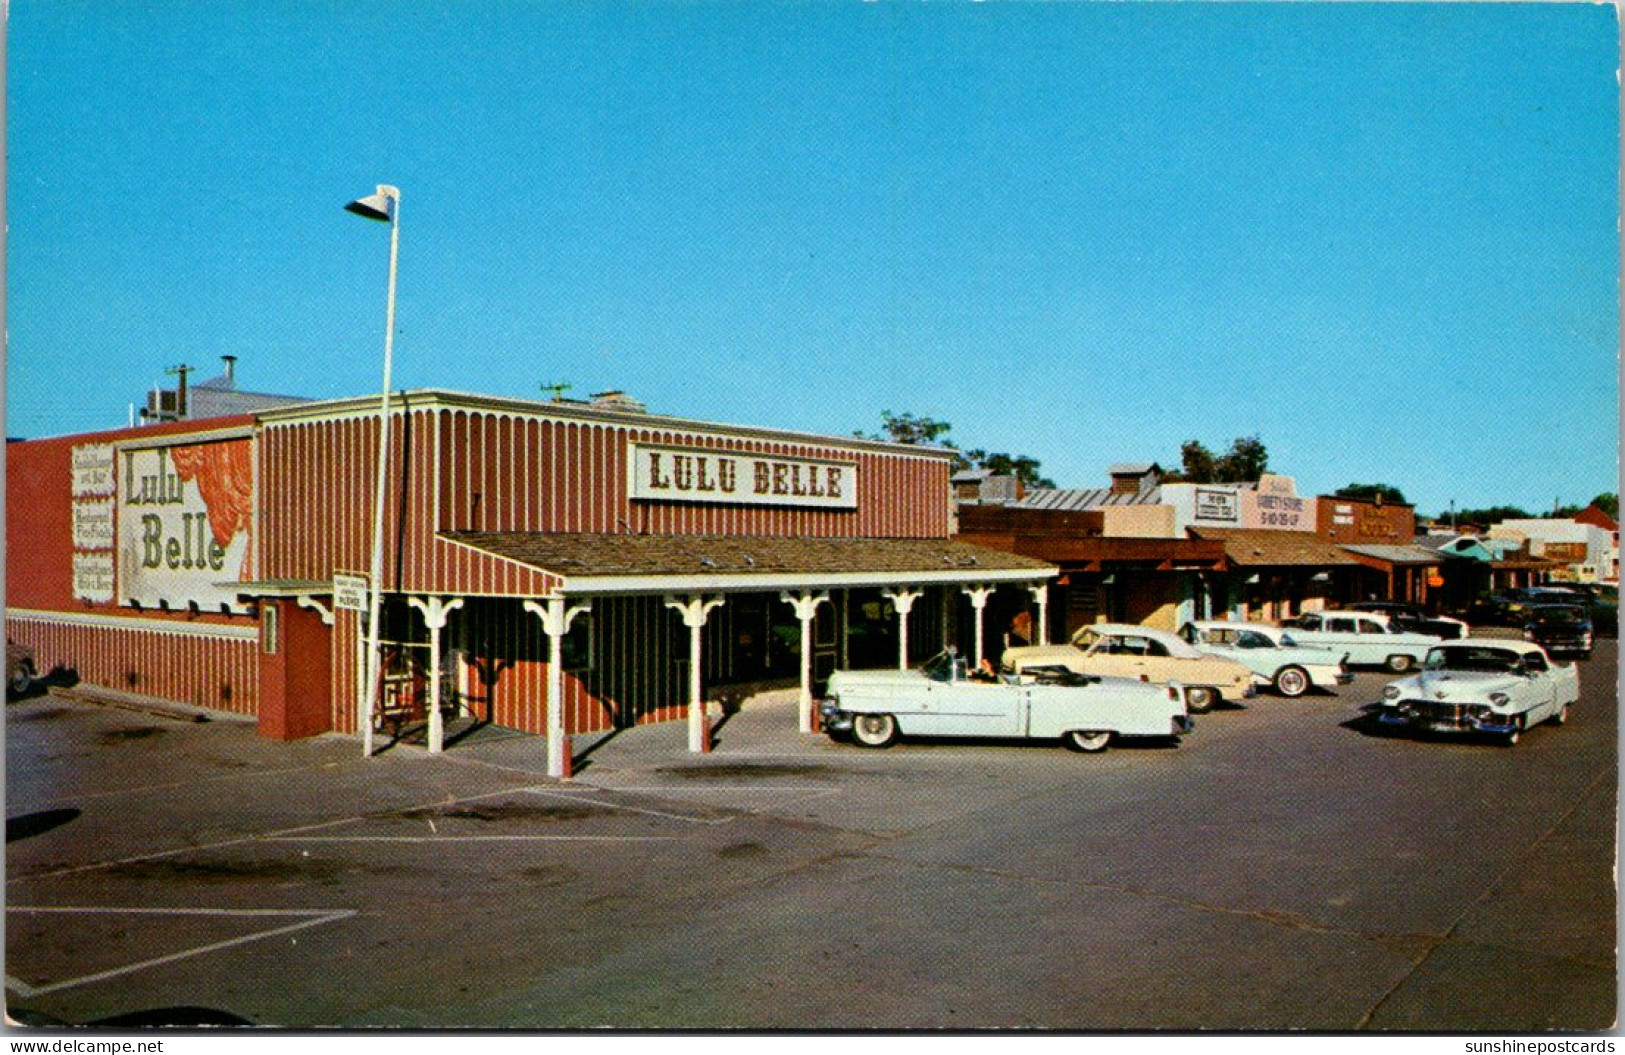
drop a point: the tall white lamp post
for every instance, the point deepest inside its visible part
(386, 207)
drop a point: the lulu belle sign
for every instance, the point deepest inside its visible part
(183, 519)
(686, 474)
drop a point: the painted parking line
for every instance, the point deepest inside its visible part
(257, 837)
(665, 815)
(473, 839)
(312, 918)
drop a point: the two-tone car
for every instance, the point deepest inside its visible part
(1272, 654)
(1364, 638)
(1559, 629)
(1412, 617)
(1141, 653)
(1482, 685)
(873, 708)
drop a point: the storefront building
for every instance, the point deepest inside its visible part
(1141, 575)
(553, 567)
(1381, 536)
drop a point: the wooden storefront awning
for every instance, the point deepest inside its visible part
(601, 563)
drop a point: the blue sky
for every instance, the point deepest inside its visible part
(1381, 237)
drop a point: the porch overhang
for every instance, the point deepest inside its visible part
(604, 564)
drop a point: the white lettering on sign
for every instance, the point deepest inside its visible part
(93, 470)
(351, 592)
(183, 523)
(93, 576)
(686, 474)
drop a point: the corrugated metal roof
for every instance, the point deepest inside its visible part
(1398, 554)
(1086, 498)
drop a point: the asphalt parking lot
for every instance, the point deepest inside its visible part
(1281, 868)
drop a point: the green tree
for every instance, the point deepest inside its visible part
(1608, 502)
(1487, 516)
(920, 430)
(1245, 461)
(1370, 492)
(910, 428)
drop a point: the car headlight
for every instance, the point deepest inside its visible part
(1391, 692)
(1499, 699)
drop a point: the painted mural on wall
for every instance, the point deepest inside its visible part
(184, 515)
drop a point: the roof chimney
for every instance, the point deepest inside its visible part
(231, 369)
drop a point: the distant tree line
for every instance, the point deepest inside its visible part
(1245, 461)
(921, 430)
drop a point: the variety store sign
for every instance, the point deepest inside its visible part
(686, 474)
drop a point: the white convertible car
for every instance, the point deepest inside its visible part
(1483, 685)
(875, 707)
(1272, 654)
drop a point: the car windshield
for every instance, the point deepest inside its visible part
(1560, 616)
(939, 667)
(1473, 658)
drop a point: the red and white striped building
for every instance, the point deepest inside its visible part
(553, 567)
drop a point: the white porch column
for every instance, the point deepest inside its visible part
(556, 619)
(903, 600)
(978, 600)
(694, 609)
(435, 613)
(1040, 592)
(805, 605)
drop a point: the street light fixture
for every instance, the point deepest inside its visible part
(385, 206)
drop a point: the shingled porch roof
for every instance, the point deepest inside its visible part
(603, 563)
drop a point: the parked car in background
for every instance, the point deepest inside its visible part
(1559, 629)
(1366, 638)
(1411, 617)
(20, 670)
(940, 698)
(1501, 688)
(1510, 607)
(1140, 653)
(1272, 654)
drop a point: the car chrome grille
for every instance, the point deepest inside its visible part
(1434, 711)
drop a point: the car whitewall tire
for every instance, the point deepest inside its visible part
(874, 730)
(1291, 682)
(1088, 742)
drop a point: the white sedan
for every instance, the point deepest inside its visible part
(1364, 638)
(875, 707)
(1483, 685)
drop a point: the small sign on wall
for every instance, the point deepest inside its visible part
(351, 592)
